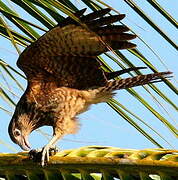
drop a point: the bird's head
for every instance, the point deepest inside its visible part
(22, 123)
(27, 117)
(19, 130)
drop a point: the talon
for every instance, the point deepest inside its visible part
(42, 155)
(46, 152)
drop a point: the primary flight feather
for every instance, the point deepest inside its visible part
(65, 78)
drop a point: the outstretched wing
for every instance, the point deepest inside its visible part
(67, 53)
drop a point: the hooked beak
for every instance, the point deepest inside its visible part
(24, 144)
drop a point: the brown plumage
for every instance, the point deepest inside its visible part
(65, 78)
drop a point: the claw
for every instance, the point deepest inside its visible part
(46, 152)
(43, 154)
(48, 149)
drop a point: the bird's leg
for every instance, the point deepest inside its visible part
(62, 127)
(45, 150)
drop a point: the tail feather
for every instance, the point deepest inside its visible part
(112, 75)
(134, 81)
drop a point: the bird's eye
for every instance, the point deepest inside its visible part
(17, 132)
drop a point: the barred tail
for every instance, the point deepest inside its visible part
(135, 81)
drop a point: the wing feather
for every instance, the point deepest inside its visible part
(67, 53)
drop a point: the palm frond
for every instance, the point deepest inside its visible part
(94, 162)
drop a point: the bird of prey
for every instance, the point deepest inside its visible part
(65, 77)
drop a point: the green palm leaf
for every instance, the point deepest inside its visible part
(94, 163)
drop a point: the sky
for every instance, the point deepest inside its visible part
(100, 125)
